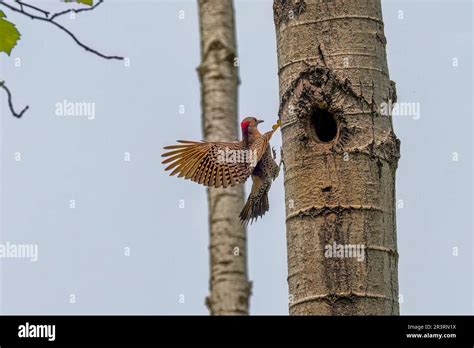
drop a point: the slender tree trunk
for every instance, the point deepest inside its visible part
(229, 285)
(340, 155)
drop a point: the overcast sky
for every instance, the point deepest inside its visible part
(111, 235)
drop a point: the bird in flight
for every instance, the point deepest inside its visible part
(226, 164)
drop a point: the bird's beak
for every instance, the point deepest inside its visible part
(259, 121)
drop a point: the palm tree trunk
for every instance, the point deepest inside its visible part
(340, 154)
(229, 285)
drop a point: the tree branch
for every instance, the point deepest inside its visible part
(50, 20)
(10, 101)
(76, 10)
(46, 13)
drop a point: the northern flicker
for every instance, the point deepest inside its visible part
(225, 164)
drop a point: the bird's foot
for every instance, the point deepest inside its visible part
(281, 159)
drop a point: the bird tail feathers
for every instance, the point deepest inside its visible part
(255, 207)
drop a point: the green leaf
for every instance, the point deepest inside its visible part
(9, 35)
(85, 2)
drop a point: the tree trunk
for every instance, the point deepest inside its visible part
(340, 154)
(229, 285)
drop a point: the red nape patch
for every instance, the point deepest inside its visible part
(244, 124)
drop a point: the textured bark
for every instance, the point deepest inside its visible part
(333, 66)
(229, 285)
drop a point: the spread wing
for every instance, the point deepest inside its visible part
(215, 164)
(208, 163)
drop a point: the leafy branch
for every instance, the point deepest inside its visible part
(77, 10)
(22, 11)
(9, 35)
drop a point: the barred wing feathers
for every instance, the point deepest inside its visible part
(202, 162)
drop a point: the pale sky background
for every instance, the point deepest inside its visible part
(136, 205)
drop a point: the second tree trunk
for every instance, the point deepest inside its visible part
(229, 285)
